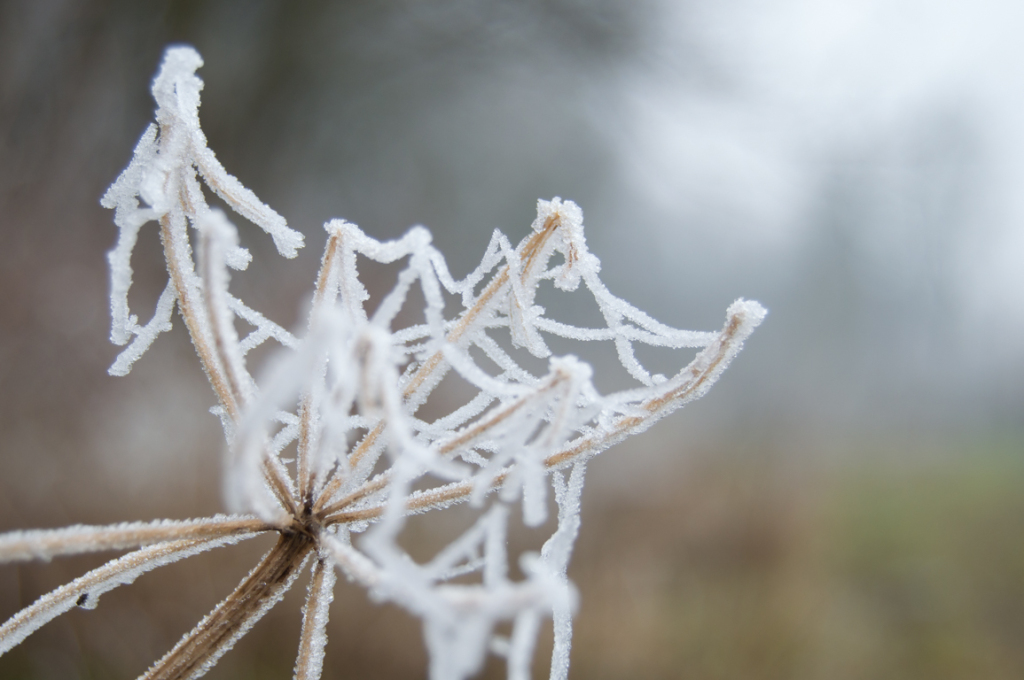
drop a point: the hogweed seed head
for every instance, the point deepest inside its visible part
(347, 396)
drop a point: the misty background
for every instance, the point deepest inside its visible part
(854, 165)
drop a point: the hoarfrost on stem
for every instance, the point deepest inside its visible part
(347, 397)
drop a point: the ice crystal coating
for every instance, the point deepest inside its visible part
(163, 174)
(347, 398)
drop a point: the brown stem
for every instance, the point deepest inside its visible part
(305, 475)
(309, 662)
(48, 543)
(274, 473)
(657, 406)
(703, 368)
(217, 324)
(528, 251)
(368, 487)
(188, 308)
(221, 628)
(421, 500)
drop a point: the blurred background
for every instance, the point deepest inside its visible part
(848, 502)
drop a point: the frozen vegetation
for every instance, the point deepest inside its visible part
(330, 450)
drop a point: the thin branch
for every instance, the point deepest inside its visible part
(44, 544)
(310, 660)
(689, 384)
(321, 296)
(191, 311)
(200, 649)
(460, 441)
(189, 308)
(86, 590)
(528, 250)
(420, 501)
(473, 433)
(373, 485)
(225, 340)
(276, 475)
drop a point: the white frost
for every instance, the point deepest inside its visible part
(162, 173)
(348, 395)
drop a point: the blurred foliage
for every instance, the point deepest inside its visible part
(756, 566)
(879, 569)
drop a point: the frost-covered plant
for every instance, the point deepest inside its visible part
(344, 401)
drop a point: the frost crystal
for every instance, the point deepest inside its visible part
(347, 397)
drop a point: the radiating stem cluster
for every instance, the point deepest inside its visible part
(347, 396)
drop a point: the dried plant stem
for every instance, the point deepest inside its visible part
(696, 375)
(217, 324)
(373, 485)
(190, 310)
(702, 370)
(48, 543)
(528, 249)
(419, 501)
(84, 590)
(461, 441)
(309, 662)
(303, 471)
(216, 633)
(321, 297)
(486, 424)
